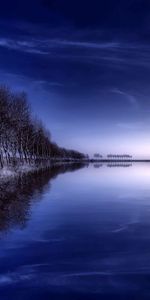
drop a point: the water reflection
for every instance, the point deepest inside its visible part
(18, 193)
(113, 164)
(87, 235)
(97, 165)
(124, 165)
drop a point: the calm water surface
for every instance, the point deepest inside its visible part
(76, 235)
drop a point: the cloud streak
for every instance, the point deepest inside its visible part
(130, 98)
(121, 54)
(40, 45)
(24, 46)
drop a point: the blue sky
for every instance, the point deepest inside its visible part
(85, 66)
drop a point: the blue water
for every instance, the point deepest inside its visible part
(77, 235)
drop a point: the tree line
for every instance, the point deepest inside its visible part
(114, 156)
(119, 156)
(23, 138)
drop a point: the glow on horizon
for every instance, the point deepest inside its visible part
(137, 147)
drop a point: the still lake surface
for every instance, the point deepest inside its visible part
(76, 233)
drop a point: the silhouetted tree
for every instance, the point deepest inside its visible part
(24, 139)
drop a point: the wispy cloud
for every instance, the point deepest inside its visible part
(24, 46)
(36, 44)
(93, 45)
(120, 54)
(130, 98)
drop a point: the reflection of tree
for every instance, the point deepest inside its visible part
(17, 194)
(96, 166)
(115, 164)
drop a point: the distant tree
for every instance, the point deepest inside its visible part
(97, 155)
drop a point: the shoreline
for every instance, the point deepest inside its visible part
(10, 171)
(118, 160)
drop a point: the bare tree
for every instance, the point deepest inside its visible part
(24, 139)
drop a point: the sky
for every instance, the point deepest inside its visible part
(85, 66)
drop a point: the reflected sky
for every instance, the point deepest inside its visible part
(86, 237)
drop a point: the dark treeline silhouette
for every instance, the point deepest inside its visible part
(119, 156)
(113, 157)
(24, 139)
(97, 155)
(18, 193)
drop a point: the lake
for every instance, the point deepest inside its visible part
(76, 232)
